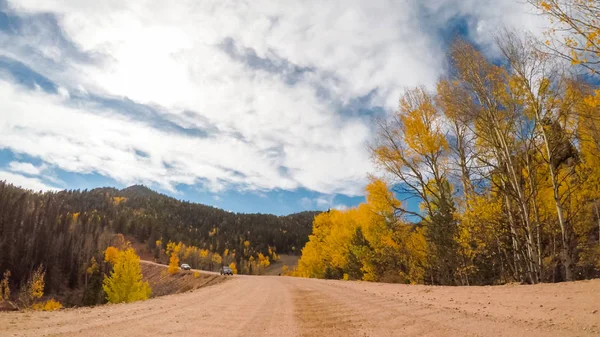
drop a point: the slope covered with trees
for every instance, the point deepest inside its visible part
(68, 232)
(504, 158)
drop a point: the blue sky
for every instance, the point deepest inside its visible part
(250, 107)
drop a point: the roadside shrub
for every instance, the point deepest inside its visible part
(49, 305)
(34, 288)
(5, 286)
(125, 282)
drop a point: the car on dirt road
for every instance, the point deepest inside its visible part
(185, 266)
(226, 271)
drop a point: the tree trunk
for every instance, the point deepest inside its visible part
(565, 231)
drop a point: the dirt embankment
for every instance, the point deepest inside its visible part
(162, 283)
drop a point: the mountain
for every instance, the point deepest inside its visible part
(139, 191)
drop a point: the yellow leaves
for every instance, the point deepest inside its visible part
(380, 198)
(216, 258)
(545, 6)
(203, 253)
(5, 286)
(111, 254)
(173, 249)
(366, 239)
(263, 260)
(233, 267)
(125, 281)
(75, 216)
(34, 288)
(593, 101)
(246, 243)
(579, 33)
(37, 283)
(173, 264)
(117, 200)
(93, 267)
(189, 251)
(213, 232)
(50, 305)
(420, 121)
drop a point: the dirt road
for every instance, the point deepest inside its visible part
(284, 306)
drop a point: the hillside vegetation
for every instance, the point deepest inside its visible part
(61, 232)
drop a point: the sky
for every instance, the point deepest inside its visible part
(250, 106)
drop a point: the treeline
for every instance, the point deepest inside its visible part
(63, 231)
(504, 158)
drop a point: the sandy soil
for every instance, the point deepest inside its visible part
(285, 306)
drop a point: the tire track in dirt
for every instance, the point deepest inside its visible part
(284, 306)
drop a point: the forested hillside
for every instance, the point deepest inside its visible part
(504, 158)
(62, 231)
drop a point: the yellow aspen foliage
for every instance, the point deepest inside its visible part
(93, 267)
(367, 242)
(263, 260)
(233, 267)
(125, 282)
(37, 283)
(118, 200)
(75, 216)
(34, 288)
(50, 305)
(574, 33)
(173, 249)
(111, 254)
(216, 259)
(189, 251)
(173, 264)
(5, 286)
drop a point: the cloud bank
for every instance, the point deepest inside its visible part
(256, 96)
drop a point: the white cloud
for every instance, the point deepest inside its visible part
(340, 207)
(26, 182)
(323, 202)
(27, 168)
(170, 55)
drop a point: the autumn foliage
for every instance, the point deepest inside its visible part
(125, 281)
(49, 305)
(365, 243)
(173, 251)
(501, 165)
